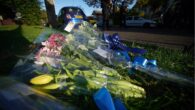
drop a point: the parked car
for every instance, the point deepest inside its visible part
(69, 13)
(139, 22)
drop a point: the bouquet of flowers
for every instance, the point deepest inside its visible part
(73, 69)
(66, 63)
(51, 50)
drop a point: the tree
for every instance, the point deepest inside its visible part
(179, 14)
(30, 10)
(44, 19)
(101, 3)
(104, 4)
(172, 13)
(51, 13)
(139, 7)
(115, 3)
(93, 3)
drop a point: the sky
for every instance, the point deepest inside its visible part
(79, 3)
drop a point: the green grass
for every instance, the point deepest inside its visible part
(170, 59)
(163, 94)
(15, 40)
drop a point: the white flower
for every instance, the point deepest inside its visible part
(95, 26)
(85, 23)
(70, 37)
(81, 27)
(82, 47)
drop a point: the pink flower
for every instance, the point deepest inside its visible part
(52, 47)
(56, 40)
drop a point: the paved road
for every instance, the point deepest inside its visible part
(162, 37)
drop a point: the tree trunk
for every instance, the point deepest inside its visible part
(103, 13)
(114, 6)
(49, 4)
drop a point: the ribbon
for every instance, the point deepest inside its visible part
(125, 54)
(103, 99)
(141, 61)
(138, 51)
(150, 67)
(115, 44)
(119, 104)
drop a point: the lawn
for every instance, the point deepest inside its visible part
(161, 95)
(15, 41)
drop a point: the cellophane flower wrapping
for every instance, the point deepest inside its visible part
(70, 59)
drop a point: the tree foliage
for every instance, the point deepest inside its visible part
(97, 3)
(29, 9)
(176, 13)
(93, 3)
(115, 4)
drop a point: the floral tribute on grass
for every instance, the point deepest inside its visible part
(75, 73)
(79, 64)
(65, 64)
